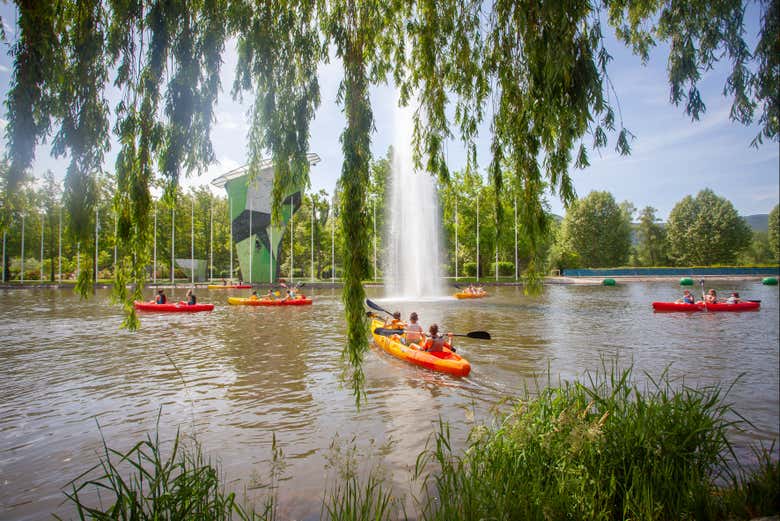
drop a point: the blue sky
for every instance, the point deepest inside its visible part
(671, 156)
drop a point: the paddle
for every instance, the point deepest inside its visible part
(483, 335)
(376, 307)
(703, 298)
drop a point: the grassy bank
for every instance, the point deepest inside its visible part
(606, 449)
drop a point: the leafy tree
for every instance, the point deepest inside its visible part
(598, 231)
(774, 232)
(652, 246)
(758, 251)
(705, 230)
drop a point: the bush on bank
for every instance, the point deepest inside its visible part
(605, 450)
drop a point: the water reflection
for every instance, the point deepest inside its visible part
(237, 375)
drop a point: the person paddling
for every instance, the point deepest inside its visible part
(191, 298)
(435, 342)
(414, 331)
(160, 298)
(687, 298)
(395, 322)
(734, 298)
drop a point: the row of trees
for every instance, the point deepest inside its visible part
(595, 232)
(703, 230)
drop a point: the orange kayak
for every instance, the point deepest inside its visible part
(470, 295)
(445, 361)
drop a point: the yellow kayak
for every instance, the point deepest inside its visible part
(297, 301)
(445, 361)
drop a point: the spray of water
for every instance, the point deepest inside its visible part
(414, 252)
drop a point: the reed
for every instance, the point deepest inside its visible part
(144, 483)
(603, 451)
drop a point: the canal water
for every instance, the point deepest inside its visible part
(238, 376)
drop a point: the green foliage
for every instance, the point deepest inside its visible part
(597, 231)
(705, 230)
(758, 251)
(774, 232)
(605, 450)
(144, 484)
(652, 248)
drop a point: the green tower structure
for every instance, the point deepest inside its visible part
(257, 242)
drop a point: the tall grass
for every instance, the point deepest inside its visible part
(604, 451)
(145, 484)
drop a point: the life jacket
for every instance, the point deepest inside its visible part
(161, 299)
(435, 344)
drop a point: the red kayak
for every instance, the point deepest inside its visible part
(746, 305)
(178, 307)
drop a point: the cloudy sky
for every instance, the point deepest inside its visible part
(671, 155)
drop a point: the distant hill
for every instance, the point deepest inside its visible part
(758, 222)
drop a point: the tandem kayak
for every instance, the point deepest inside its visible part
(227, 286)
(178, 307)
(470, 295)
(721, 306)
(300, 301)
(445, 361)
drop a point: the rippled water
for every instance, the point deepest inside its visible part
(239, 375)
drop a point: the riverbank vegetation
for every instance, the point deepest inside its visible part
(608, 448)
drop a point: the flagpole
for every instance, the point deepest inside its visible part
(154, 265)
(41, 247)
(59, 249)
(292, 239)
(21, 275)
(192, 241)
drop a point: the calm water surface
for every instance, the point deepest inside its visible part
(237, 376)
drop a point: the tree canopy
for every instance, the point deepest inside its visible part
(539, 68)
(705, 230)
(598, 231)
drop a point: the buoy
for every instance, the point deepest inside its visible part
(686, 281)
(608, 282)
(769, 281)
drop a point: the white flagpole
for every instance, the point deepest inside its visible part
(230, 217)
(78, 260)
(154, 264)
(456, 238)
(374, 238)
(333, 244)
(292, 239)
(312, 238)
(250, 242)
(271, 254)
(477, 237)
(97, 227)
(3, 267)
(59, 249)
(516, 272)
(192, 241)
(116, 220)
(21, 275)
(173, 238)
(42, 247)
(211, 239)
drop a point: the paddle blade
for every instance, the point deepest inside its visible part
(484, 335)
(386, 332)
(376, 307)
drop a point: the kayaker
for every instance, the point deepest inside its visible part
(395, 322)
(687, 298)
(734, 298)
(711, 297)
(414, 331)
(161, 298)
(435, 342)
(191, 298)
